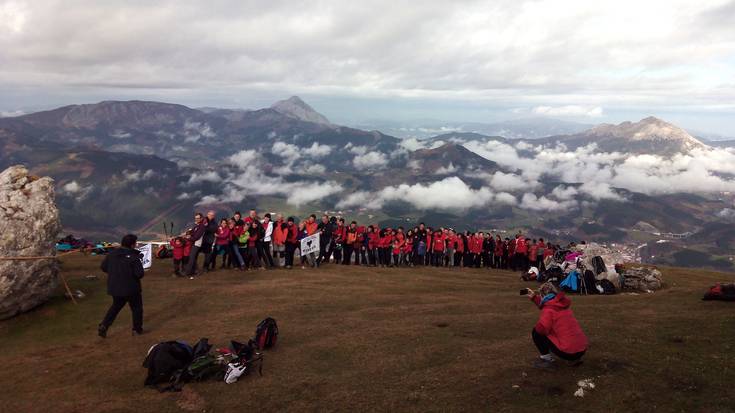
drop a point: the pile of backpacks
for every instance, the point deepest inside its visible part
(721, 292)
(171, 364)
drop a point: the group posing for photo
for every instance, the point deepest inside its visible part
(252, 242)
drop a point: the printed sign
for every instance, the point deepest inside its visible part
(147, 258)
(310, 244)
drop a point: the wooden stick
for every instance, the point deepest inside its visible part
(68, 290)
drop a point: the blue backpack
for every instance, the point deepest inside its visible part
(570, 283)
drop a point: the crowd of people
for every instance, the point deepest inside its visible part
(255, 243)
(252, 242)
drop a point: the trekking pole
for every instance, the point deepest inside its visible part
(165, 231)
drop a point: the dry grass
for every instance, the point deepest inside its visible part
(365, 339)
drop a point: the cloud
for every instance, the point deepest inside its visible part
(314, 169)
(248, 178)
(207, 176)
(704, 171)
(11, 113)
(76, 190)
(448, 194)
(243, 158)
(446, 170)
(194, 131)
(569, 110)
(535, 203)
(135, 176)
(510, 182)
(370, 161)
(287, 151)
(317, 151)
(585, 54)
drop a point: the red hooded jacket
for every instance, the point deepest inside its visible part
(373, 239)
(179, 244)
(557, 322)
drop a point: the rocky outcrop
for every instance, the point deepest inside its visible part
(29, 224)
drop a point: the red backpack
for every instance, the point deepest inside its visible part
(266, 334)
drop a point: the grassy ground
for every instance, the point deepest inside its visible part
(365, 339)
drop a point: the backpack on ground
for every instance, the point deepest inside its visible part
(246, 358)
(164, 360)
(598, 264)
(266, 334)
(722, 292)
(590, 282)
(570, 283)
(607, 287)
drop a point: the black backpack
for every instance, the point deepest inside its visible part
(599, 265)
(164, 360)
(590, 283)
(266, 334)
(608, 287)
(174, 363)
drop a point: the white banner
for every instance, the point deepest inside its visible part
(310, 244)
(147, 258)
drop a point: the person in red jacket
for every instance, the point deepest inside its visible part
(437, 249)
(557, 331)
(407, 259)
(221, 243)
(386, 240)
(292, 242)
(178, 244)
(339, 235)
(498, 253)
(532, 251)
(373, 244)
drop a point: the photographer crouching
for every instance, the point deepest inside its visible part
(557, 331)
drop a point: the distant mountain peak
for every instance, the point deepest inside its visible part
(295, 107)
(647, 129)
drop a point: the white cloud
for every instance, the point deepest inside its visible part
(510, 182)
(207, 176)
(569, 110)
(449, 194)
(72, 187)
(194, 131)
(542, 203)
(287, 151)
(243, 158)
(370, 161)
(317, 151)
(314, 169)
(446, 170)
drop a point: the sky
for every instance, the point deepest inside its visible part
(481, 61)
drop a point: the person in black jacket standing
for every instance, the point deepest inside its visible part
(124, 271)
(208, 241)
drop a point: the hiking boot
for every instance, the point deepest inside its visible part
(544, 364)
(139, 332)
(102, 331)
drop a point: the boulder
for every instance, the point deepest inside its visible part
(29, 224)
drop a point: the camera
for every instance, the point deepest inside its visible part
(525, 291)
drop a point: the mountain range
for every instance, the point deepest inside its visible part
(130, 165)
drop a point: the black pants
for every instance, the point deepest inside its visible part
(324, 249)
(136, 307)
(178, 266)
(544, 345)
(265, 253)
(209, 256)
(290, 251)
(363, 256)
(191, 268)
(347, 258)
